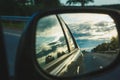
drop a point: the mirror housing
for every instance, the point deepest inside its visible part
(26, 66)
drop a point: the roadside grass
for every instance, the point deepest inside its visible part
(15, 25)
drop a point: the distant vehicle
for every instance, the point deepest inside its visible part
(49, 58)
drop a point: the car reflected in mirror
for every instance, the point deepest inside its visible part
(76, 43)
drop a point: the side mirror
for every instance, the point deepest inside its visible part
(62, 44)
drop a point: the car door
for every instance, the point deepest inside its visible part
(51, 43)
(74, 61)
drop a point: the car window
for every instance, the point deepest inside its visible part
(50, 40)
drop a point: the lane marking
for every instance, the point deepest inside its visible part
(78, 69)
(101, 67)
(13, 34)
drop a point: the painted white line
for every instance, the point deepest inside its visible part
(78, 69)
(13, 34)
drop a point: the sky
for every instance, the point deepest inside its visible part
(83, 17)
(99, 2)
(90, 29)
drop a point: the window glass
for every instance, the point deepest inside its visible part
(50, 40)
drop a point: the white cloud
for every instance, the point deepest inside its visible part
(89, 35)
(85, 17)
(94, 32)
(49, 27)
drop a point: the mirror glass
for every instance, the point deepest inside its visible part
(75, 43)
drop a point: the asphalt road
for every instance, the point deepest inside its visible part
(11, 42)
(103, 60)
(96, 61)
(88, 63)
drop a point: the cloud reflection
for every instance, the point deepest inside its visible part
(90, 29)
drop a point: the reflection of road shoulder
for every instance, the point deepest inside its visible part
(108, 56)
(67, 66)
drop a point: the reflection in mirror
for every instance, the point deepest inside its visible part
(95, 34)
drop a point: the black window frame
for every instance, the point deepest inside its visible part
(72, 37)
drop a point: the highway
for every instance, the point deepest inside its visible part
(11, 42)
(91, 61)
(96, 61)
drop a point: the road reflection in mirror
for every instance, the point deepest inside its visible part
(56, 37)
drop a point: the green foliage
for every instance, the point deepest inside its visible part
(27, 10)
(23, 8)
(48, 3)
(22, 2)
(113, 45)
(13, 25)
(82, 2)
(84, 51)
(7, 7)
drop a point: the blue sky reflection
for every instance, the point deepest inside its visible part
(90, 29)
